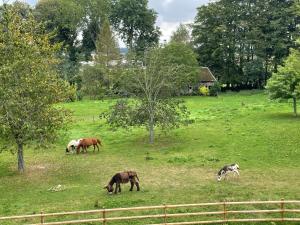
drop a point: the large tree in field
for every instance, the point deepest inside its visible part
(29, 83)
(135, 22)
(151, 86)
(285, 83)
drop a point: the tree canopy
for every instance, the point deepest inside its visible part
(135, 23)
(244, 41)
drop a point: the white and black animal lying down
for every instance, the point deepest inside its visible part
(233, 168)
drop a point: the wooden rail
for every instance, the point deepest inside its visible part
(280, 214)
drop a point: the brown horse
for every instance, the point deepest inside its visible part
(122, 178)
(87, 142)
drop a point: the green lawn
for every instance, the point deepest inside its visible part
(263, 137)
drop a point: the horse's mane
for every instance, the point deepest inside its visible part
(112, 181)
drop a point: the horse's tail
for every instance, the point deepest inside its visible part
(99, 142)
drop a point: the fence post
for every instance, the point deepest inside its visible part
(224, 208)
(42, 217)
(165, 213)
(282, 209)
(104, 216)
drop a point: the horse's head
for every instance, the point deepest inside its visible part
(109, 188)
(219, 177)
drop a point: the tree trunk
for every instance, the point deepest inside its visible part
(20, 158)
(151, 130)
(295, 106)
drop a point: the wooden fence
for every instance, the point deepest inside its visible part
(281, 211)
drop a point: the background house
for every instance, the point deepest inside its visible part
(206, 78)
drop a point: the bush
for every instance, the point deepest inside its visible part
(204, 90)
(215, 89)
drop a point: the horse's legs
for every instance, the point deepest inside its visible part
(131, 185)
(116, 190)
(120, 188)
(94, 148)
(137, 186)
(97, 147)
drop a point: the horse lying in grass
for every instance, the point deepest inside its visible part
(122, 178)
(72, 146)
(233, 168)
(87, 142)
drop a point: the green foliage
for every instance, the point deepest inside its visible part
(182, 56)
(95, 11)
(94, 81)
(244, 41)
(108, 56)
(29, 83)
(106, 45)
(62, 18)
(285, 83)
(152, 86)
(215, 89)
(181, 35)
(203, 90)
(135, 22)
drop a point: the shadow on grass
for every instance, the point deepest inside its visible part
(282, 116)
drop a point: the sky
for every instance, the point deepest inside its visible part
(170, 13)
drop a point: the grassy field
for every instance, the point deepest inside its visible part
(263, 137)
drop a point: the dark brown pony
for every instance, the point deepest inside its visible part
(87, 142)
(122, 178)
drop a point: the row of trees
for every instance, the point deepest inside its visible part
(244, 41)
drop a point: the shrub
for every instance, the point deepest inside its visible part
(215, 89)
(204, 90)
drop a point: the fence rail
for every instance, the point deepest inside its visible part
(280, 214)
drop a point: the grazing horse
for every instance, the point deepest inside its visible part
(87, 142)
(233, 168)
(72, 145)
(122, 178)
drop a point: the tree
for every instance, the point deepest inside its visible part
(108, 54)
(106, 45)
(94, 81)
(62, 18)
(285, 83)
(135, 23)
(95, 12)
(151, 87)
(29, 83)
(182, 56)
(181, 35)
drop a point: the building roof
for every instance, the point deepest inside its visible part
(206, 75)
